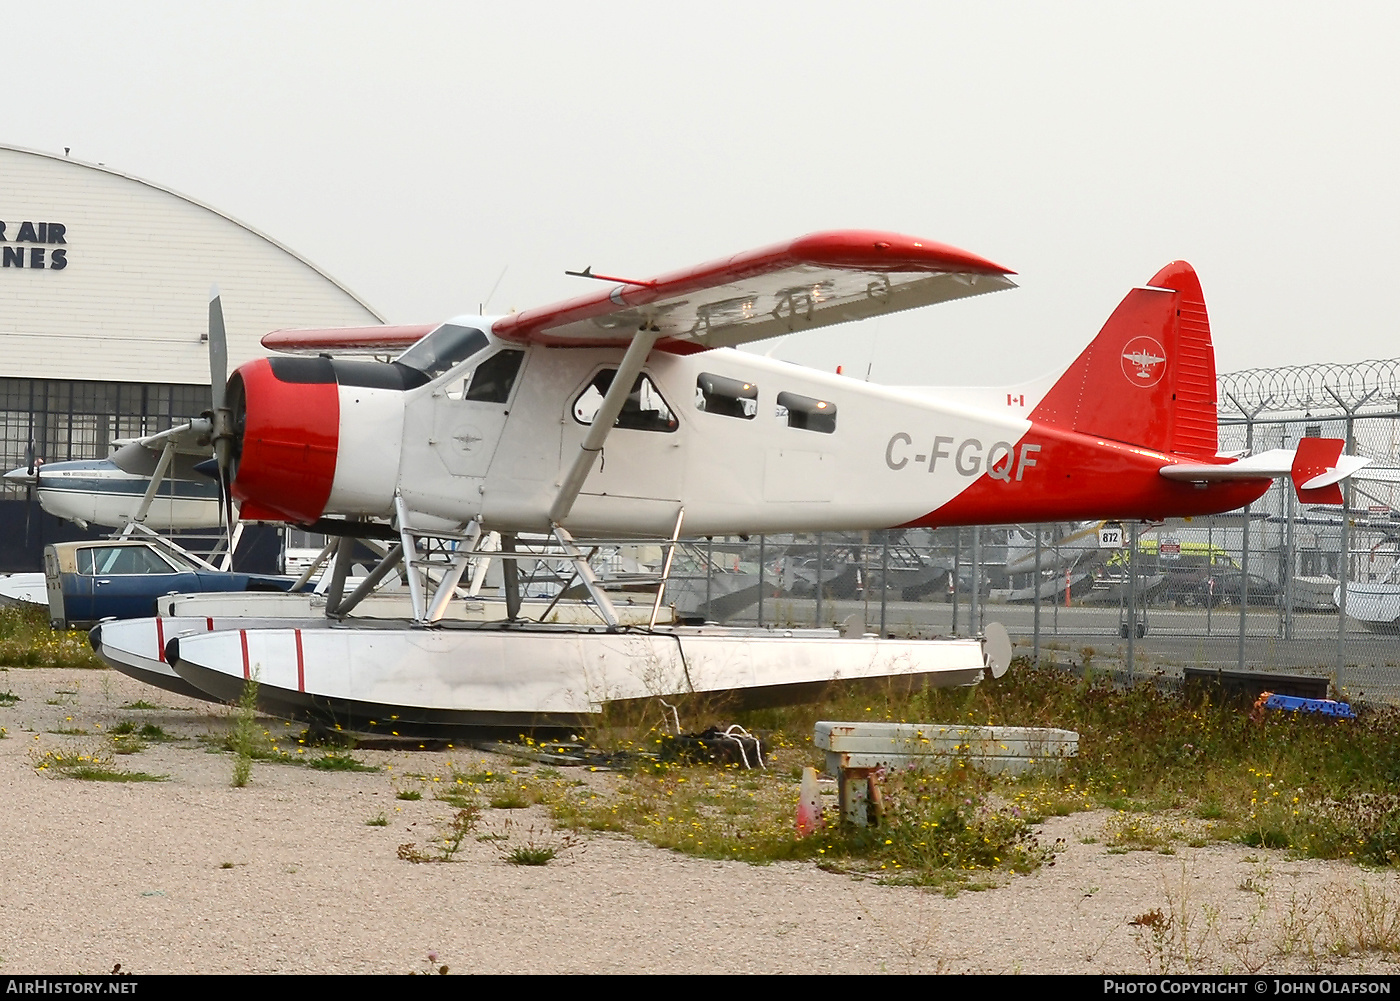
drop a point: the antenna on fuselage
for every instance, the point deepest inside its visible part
(481, 306)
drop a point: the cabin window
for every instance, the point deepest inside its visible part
(806, 413)
(494, 378)
(643, 410)
(444, 348)
(717, 394)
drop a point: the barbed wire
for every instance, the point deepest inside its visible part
(1303, 389)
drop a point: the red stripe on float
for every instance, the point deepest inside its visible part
(160, 640)
(301, 664)
(243, 636)
(209, 622)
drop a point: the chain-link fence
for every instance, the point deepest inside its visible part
(1213, 593)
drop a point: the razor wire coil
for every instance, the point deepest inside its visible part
(1365, 386)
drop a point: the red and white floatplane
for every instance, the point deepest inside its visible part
(627, 413)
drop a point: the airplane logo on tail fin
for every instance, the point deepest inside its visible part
(1144, 361)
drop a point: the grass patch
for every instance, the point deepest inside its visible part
(7, 699)
(534, 846)
(938, 829)
(339, 761)
(142, 704)
(509, 799)
(93, 766)
(526, 855)
(145, 731)
(1177, 771)
(380, 819)
(26, 640)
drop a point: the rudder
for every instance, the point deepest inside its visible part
(1148, 378)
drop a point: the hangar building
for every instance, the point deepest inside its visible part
(104, 289)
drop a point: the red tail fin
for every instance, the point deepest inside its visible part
(1148, 378)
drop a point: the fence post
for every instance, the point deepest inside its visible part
(1344, 564)
(1036, 655)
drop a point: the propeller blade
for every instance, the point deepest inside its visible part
(218, 349)
(33, 481)
(226, 515)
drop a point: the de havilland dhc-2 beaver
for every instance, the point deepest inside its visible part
(626, 413)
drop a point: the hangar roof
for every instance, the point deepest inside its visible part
(106, 276)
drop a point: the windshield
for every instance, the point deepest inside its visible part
(444, 348)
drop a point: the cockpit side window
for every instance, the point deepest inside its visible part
(447, 346)
(643, 410)
(807, 413)
(717, 394)
(495, 377)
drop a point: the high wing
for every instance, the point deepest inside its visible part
(810, 282)
(813, 281)
(189, 439)
(348, 340)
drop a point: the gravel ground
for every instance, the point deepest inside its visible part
(284, 876)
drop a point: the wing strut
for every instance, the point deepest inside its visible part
(162, 467)
(613, 400)
(666, 570)
(590, 580)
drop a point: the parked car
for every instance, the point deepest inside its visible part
(1261, 590)
(90, 581)
(1222, 587)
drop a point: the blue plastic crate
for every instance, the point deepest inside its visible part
(1328, 707)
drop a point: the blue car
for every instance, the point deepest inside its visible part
(91, 581)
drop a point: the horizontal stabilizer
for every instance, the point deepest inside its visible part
(1316, 467)
(1379, 474)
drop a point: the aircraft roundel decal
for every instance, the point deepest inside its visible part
(1144, 361)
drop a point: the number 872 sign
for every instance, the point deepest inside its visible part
(1111, 535)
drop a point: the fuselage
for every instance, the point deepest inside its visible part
(742, 443)
(99, 492)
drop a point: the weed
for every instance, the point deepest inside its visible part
(531, 855)
(94, 766)
(432, 969)
(409, 794)
(8, 698)
(336, 761)
(142, 704)
(538, 847)
(378, 820)
(463, 822)
(147, 731)
(244, 725)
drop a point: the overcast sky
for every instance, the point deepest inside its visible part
(415, 150)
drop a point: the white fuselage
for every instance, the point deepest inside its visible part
(878, 456)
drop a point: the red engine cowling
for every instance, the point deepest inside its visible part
(286, 436)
